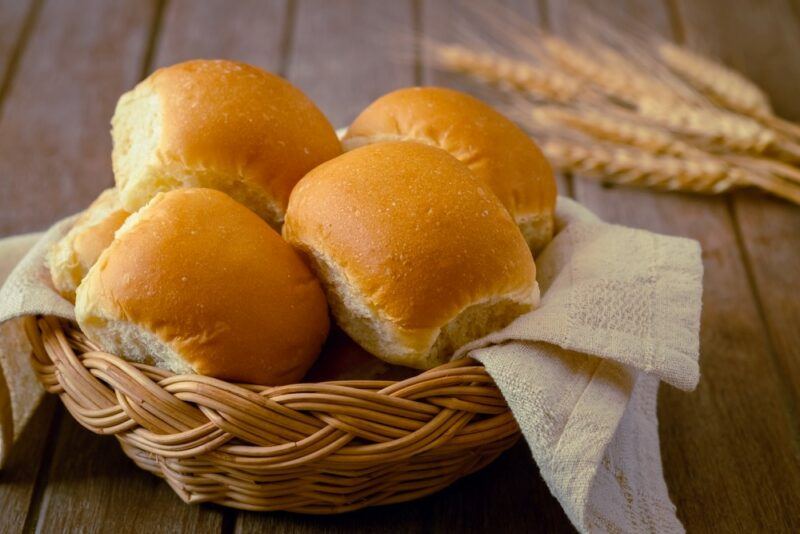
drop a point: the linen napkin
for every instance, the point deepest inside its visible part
(20, 393)
(620, 312)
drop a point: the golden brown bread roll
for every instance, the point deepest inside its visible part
(417, 256)
(494, 148)
(218, 124)
(196, 282)
(72, 256)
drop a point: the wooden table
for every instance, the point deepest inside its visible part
(731, 449)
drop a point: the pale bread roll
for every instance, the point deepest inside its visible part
(72, 256)
(499, 153)
(416, 255)
(218, 124)
(196, 282)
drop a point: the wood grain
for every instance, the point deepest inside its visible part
(18, 489)
(54, 142)
(346, 57)
(94, 487)
(770, 228)
(12, 27)
(717, 443)
(252, 31)
(17, 480)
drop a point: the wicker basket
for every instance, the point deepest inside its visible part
(316, 448)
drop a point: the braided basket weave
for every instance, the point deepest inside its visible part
(316, 448)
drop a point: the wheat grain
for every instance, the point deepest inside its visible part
(724, 85)
(720, 128)
(633, 166)
(497, 69)
(611, 127)
(714, 126)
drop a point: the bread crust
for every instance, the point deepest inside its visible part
(201, 280)
(219, 124)
(500, 154)
(73, 255)
(405, 239)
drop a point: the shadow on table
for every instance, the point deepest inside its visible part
(509, 495)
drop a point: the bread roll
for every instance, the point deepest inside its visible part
(71, 257)
(196, 282)
(494, 148)
(218, 124)
(416, 255)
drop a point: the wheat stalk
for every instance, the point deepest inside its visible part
(501, 70)
(724, 85)
(611, 127)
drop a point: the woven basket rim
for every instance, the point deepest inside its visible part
(324, 447)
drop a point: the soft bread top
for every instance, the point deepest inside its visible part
(493, 147)
(406, 240)
(218, 124)
(196, 282)
(72, 256)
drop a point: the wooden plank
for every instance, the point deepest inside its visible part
(346, 57)
(54, 141)
(251, 31)
(18, 479)
(27, 463)
(94, 487)
(54, 151)
(12, 28)
(39, 110)
(761, 41)
(728, 448)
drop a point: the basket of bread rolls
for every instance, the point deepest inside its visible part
(269, 317)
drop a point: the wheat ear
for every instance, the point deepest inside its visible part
(501, 70)
(716, 126)
(724, 85)
(610, 127)
(633, 166)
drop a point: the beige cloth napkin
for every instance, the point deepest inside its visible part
(620, 312)
(20, 393)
